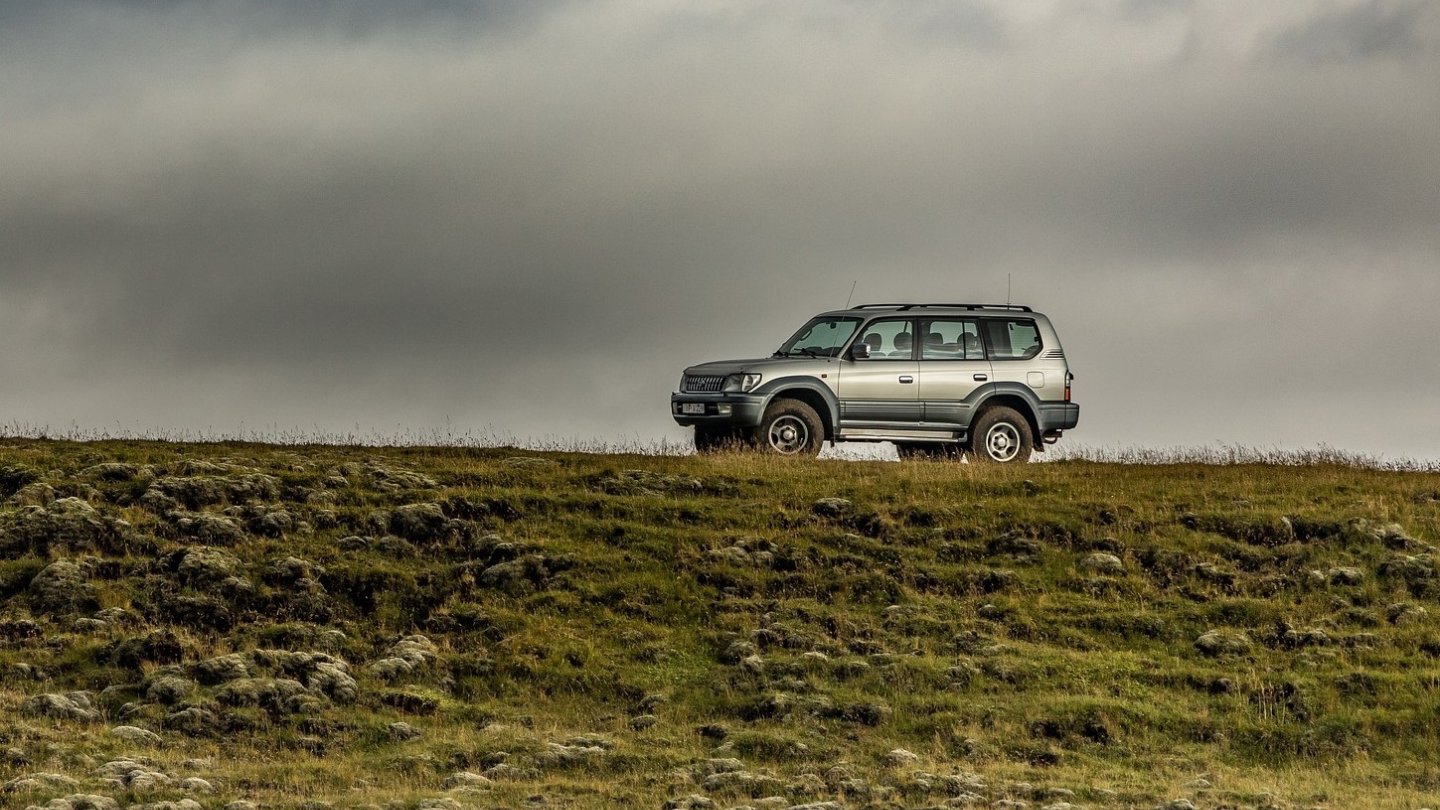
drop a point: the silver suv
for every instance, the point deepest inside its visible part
(935, 379)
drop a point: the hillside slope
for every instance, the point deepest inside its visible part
(440, 628)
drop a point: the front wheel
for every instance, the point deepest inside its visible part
(1001, 436)
(790, 428)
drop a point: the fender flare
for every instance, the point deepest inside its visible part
(773, 389)
(1031, 411)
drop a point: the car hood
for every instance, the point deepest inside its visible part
(767, 366)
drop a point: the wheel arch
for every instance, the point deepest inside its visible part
(1022, 401)
(812, 393)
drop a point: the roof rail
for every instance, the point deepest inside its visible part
(903, 307)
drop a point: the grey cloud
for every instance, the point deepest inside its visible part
(1366, 30)
(533, 224)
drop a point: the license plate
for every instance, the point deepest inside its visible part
(693, 407)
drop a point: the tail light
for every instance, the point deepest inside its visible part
(1068, 378)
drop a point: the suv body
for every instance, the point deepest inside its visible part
(990, 379)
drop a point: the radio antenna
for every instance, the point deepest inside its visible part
(1007, 289)
(852, 293)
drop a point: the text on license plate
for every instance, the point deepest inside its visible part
(692, 407)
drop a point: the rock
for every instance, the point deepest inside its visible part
(62, 587)
(67, 706)
(900, 757)
(419, 522)
(223, 669)
(644, 721)
(67, 525)
(40, 781)
(1101, 562)
(403, 732)
(82, 801)
(831, 507)
(1346, 576)
(1402, 613)
(1176, 804)
(204, 490)
(467, 780)
(1216, 643)
(214, 530)
(194, 784)
(192, 720)
(135, 735)
(332, 678)
(169, 689)
(692, 802)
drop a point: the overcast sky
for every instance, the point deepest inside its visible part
(527, 218)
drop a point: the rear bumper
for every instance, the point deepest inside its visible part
(737, 410)
(1058, 416)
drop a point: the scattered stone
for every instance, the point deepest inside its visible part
(169, 689)
(692, 802)
(644, 721)
(1176, 804)
(831, 507)
(1218, 642)
(1346, 575)
(1402, 613)
(403, 732)
(135, 735)
(214, 530)
(1101, 562)
(465, 780)
(67, 706)
(62, 587)
(900, 757)
(194, 784)
(223, 669)
(419, 522)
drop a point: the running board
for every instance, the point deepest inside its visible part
(897, 435)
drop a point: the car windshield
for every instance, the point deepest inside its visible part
(821, 337)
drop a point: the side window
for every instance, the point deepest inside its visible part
(951, 339)
(889, 340)
(1012, 340)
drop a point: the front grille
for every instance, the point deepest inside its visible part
(703, 385)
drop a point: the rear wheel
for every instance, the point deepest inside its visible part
(1001, 436)
(790, 428)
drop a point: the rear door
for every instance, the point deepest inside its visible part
(881, 390)
(953, 370)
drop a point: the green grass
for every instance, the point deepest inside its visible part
(944, 611)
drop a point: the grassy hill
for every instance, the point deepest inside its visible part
(441, 628)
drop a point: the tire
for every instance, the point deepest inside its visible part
(790, 428)
(1001, 436)
(924, 450)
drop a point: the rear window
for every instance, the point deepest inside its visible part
(1012, 339)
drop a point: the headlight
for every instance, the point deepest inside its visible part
(681, 385)
(740, 383)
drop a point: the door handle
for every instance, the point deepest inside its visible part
(906, 378)
(981, 378)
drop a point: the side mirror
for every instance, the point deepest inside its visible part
(860, 351)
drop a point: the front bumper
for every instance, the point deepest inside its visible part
(740, 410)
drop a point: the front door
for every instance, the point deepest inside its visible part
(953, 370)
(882, 389)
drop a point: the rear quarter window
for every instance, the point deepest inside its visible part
(1012, 339)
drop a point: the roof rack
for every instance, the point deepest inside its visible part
(903, 307)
